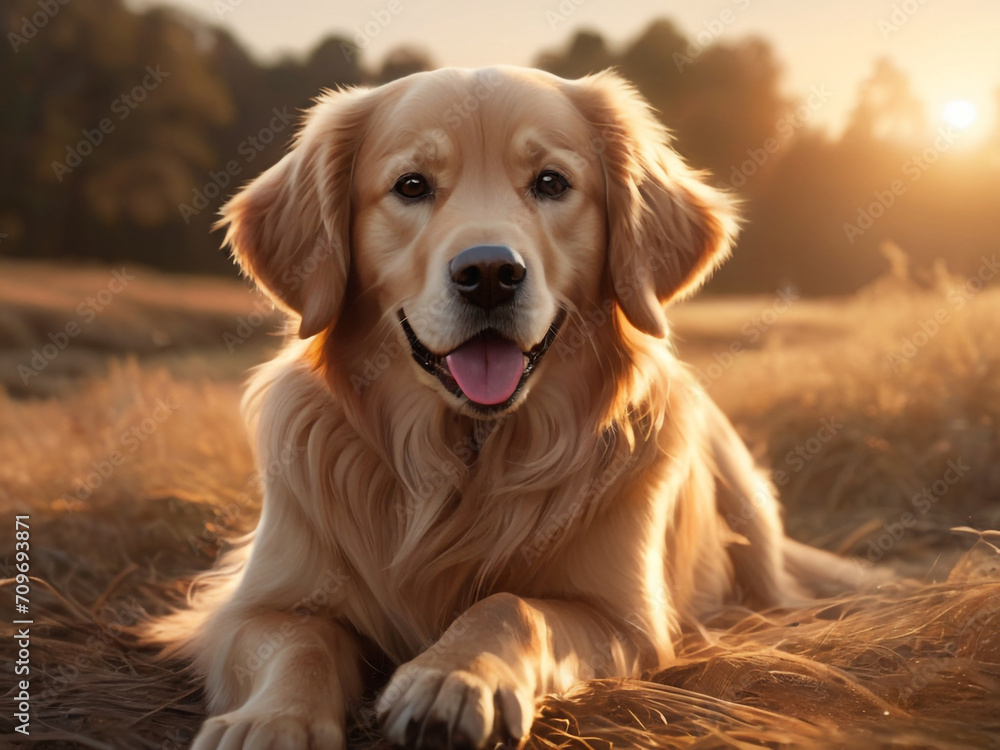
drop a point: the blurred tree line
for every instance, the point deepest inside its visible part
(121, 134)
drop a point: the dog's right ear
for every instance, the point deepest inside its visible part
(667, 228)
(290, 228)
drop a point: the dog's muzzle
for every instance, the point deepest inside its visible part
(488, 370)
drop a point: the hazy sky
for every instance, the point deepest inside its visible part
(950, 50)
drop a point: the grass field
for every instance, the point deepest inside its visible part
(878, 414)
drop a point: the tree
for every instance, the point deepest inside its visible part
(730, 107)
(403, 61)
(887, 109)
(719, 100)
(587, 53)
(113, 127)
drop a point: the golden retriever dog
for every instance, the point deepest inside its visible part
(481, 460)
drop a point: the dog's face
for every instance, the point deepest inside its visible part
(480, 228)
(484, 211)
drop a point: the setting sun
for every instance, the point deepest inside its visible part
(961, 113)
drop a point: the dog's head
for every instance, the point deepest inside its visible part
(478, 213)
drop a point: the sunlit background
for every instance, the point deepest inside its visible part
(852, 339)
(947, 49)
(812, 113)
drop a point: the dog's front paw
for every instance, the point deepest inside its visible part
(430, 707)
(249, 729)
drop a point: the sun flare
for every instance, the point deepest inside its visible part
(961, 113)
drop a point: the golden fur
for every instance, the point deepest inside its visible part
(496, 556)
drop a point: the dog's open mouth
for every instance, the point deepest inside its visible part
(488, 369)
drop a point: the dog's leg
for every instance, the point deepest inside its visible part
(746, 501)
(772, 569)
(278, 680)
(478, 684)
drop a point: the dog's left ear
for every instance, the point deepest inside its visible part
(290, 228)
(667, 229)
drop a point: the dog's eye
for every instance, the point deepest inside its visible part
(550, 184)
(412, 186)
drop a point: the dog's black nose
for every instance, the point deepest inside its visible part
(487, 275)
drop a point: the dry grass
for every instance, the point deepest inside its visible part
(916, 664)
(196, 327)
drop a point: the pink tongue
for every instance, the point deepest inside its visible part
(487, 369)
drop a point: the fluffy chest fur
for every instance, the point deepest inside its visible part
(431, 511)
